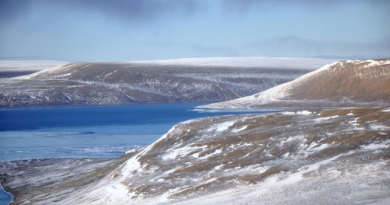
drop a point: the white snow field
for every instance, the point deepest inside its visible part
(28, 65)
(269, 62)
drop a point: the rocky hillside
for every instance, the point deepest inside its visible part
(340, 84)
(125, 83)
(303, 157)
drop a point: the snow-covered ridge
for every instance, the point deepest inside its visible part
(269, 159)
(262, 62)
(363, 69)
(271, 62)
(199, 156)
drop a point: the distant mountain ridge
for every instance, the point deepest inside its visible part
(143, 82)
(343, 83)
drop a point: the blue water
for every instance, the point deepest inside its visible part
(5, 197)
(87, 131)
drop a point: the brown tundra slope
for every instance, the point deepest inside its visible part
(345, 83)
(339, 156)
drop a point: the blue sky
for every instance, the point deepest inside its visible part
(125, 30)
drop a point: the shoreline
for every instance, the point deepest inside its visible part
(6, 191)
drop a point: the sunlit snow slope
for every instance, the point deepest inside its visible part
(344, 83)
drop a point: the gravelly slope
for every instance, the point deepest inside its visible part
(302, 157)
(125, 83)
(340, 84)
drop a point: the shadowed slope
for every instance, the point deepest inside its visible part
(125, 83)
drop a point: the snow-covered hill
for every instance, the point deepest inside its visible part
(143, 82)
(302, 157)
(344, 83)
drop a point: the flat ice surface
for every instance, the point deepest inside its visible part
(27, 65)
(89, 131)
(272, 62)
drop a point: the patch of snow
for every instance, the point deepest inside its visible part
(272, 94)
(130, 151)
(131, 165)
(160, 180)
(210, 180)
(379, 127)
(118, 191)
(205, 110)
(297, 176)
(294, 138)
(375, 146)
(110, 73)
(239, 129)
(318, 148)
(179, 152)
(325, 118)
(386, 110)
(222, 126)
(218, 151)
(246, 144)
(355, 124)
(218, 167)
(303, 112)
(376, 63)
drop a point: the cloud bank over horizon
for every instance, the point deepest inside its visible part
(128, 30)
